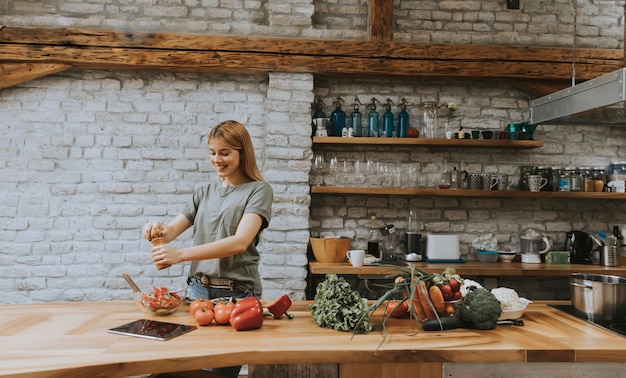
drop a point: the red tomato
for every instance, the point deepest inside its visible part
(222, 312)
(204, 316)
(447, 292)
(198, 303)
(412, 132)
(397, 309)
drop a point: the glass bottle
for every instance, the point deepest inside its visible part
(388, 130)
(357, 119)
(338, 118)
(375, 237)
(403, 120)
(372, 119)
(429, 119)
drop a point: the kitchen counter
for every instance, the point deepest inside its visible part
(60, 339)
(473, 268)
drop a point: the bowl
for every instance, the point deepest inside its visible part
(516, 313)
(160, 301)
(330, 250)
(506, 256)
(487, 256)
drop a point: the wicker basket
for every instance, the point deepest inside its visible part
(330, 250)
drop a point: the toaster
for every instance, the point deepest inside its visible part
(442, 247)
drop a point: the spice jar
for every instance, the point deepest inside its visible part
(587, 179)
(599, 179)
(556, 176)
(564, 180)
(575, 180)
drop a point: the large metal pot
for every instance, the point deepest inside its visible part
(599, 296)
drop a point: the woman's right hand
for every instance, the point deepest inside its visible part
(152, 230)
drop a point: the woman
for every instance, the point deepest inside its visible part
(227, 219)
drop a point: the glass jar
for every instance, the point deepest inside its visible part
(599, 179)
(564, 180)
(575, 180)
(428, 119)
(526, 170)
(587, 177)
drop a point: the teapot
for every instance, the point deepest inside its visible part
(533, 243)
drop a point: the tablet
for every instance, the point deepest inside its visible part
(152, 329)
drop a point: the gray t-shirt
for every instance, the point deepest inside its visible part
(215, 213)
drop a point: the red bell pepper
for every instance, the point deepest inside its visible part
(280, 307)
(247, 314)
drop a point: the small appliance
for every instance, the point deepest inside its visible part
(580, 247)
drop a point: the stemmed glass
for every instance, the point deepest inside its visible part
(333, 168)
(319, 164)
(359, 172)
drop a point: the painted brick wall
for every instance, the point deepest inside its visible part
(88, 156)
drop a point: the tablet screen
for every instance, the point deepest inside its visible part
(152, 329)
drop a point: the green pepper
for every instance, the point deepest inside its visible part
(247, 314)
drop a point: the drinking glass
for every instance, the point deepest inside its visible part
(319, 164)
(373, 172)
(333, 168)
(359, 172)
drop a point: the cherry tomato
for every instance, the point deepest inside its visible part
(198, 303)
(204, 316)
(447, 292)
(456, 296)
(222, 312)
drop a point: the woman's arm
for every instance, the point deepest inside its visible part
(169, 232)
(247, 230)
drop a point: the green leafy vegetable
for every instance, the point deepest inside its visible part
(339, 307)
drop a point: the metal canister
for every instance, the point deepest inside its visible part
(556, 176)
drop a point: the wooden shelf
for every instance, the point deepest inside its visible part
(423, 142)
(472, 268)
(316, 189)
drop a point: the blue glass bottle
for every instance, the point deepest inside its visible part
(403, 120)
(388, 120)
(357, 119)
(372, 119)
(338, 118)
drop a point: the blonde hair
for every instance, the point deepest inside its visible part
(236, 136)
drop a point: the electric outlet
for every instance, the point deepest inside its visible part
(512, 4)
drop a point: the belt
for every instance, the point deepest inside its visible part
(214, 283)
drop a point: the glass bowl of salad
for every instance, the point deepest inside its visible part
(161, 301)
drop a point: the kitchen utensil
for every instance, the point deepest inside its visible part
(132, 283)
(609, 256)
(533, 243)
(580, 246)
(600, 297)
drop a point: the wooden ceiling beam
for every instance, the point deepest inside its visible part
(537, 69)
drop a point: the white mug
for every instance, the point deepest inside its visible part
(356, 257)
(536, 182)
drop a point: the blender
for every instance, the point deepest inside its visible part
(533, 243)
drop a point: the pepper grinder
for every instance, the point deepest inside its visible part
(159, 241)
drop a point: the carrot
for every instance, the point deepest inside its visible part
(423, 296)
(417, 305)
(450, 309)
(436, 296)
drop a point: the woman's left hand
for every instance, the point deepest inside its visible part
(165, 255)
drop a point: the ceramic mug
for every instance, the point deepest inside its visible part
(474, 181)
(356, 257)
(503, 182)
(536, 182)
(488, 181)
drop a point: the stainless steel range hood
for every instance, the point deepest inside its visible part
(599, 101)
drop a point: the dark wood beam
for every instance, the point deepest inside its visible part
(527, 67)
(15, 73)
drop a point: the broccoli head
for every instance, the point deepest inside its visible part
(481, 308)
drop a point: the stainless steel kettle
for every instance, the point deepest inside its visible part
(579, 244)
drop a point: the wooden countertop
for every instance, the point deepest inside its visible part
(473, 268)
(59, 339)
